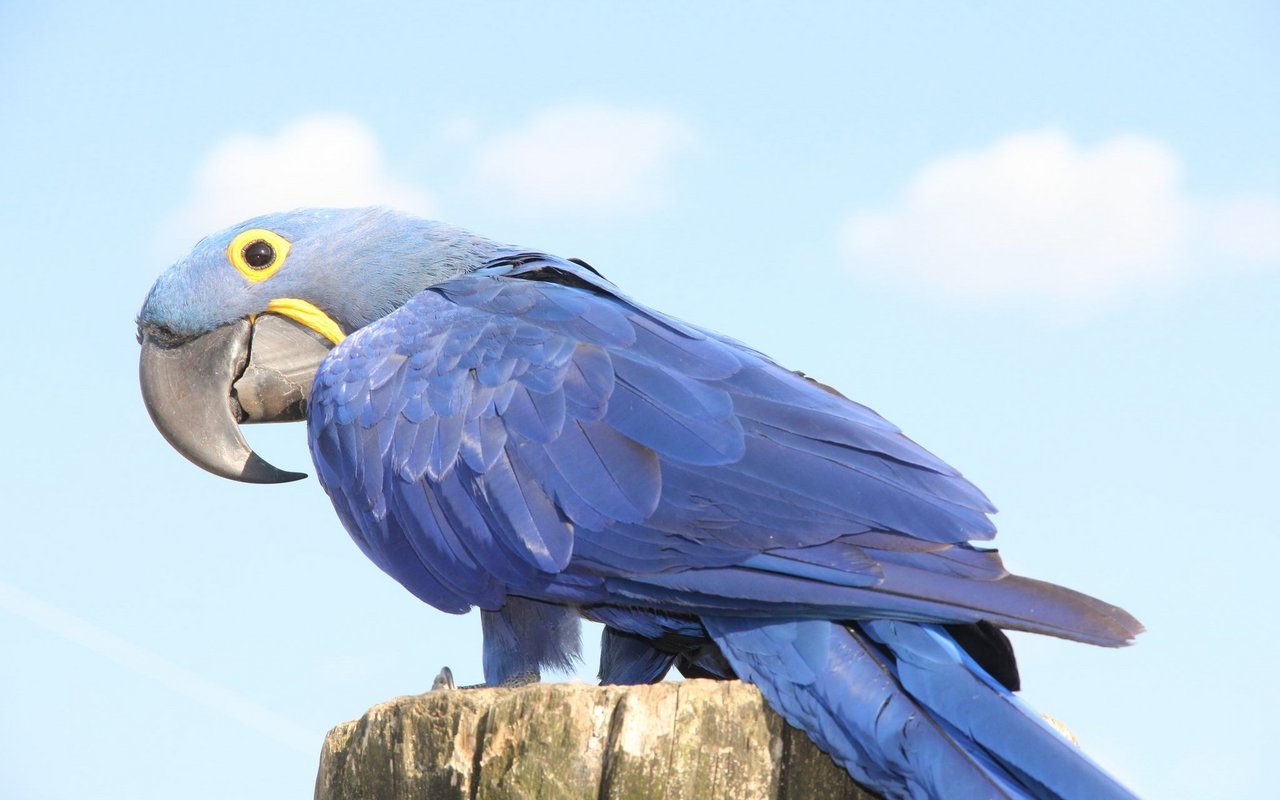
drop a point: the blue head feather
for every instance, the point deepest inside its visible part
(355, 264)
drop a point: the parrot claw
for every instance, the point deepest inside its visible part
(444, 681)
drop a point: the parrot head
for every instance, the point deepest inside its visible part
(235, 331)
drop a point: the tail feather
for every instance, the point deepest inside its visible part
(906, 711)
(946, 680)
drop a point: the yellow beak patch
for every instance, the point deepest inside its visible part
(305, 313)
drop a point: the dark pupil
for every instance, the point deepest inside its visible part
(259, 254)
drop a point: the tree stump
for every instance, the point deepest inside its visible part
(692, 739)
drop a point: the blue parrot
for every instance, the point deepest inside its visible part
(504, 429)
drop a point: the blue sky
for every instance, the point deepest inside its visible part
(1043, 240)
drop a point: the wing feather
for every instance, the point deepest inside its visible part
(543, 429)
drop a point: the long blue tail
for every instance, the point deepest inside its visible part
(907, 711)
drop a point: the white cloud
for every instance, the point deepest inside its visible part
(584, 158)
(316, 161)
(1037, 219)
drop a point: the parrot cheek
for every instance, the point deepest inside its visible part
(187, 388)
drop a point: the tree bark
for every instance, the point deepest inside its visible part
(690, 739)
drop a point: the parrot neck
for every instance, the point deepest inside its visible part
(409, 257)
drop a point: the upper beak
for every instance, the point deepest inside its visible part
(200, 390)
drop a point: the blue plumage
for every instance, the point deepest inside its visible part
(519, 436)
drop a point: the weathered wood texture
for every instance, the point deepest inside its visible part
(693, 739)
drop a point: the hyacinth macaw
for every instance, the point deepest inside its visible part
(502, 428)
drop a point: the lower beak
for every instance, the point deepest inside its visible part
(199, 391)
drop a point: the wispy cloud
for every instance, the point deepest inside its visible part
(143, 662)
(587, 160)
(314, 161)
(593, 159)
(1037, 219)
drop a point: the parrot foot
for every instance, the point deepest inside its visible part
(523, 679)
(444, 681)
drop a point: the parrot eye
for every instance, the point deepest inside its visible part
(258, 253)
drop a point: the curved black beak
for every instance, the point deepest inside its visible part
(198, 391)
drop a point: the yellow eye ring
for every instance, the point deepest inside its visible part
(257, 253)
